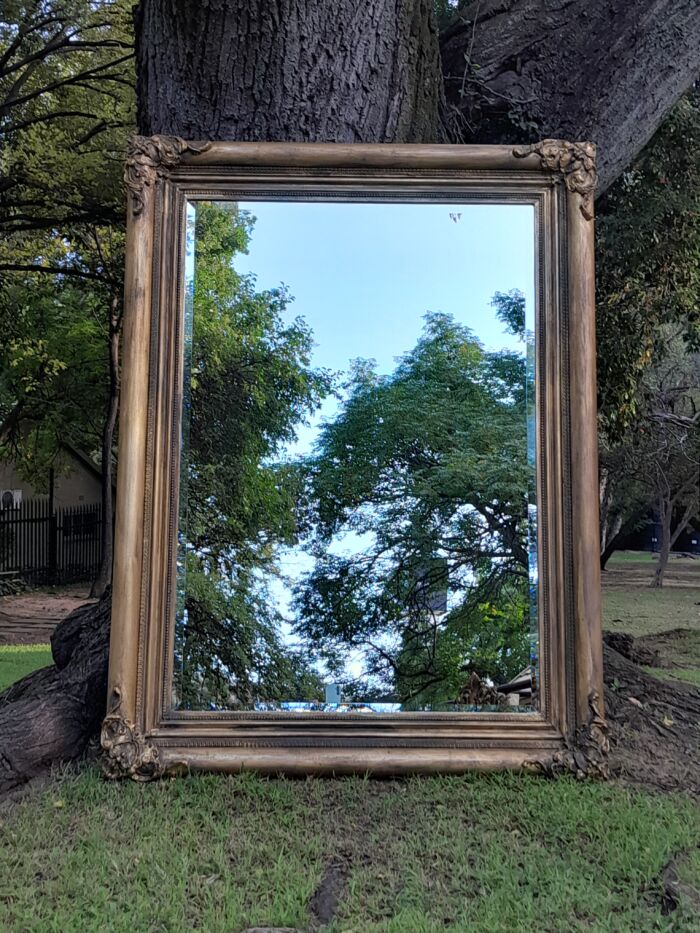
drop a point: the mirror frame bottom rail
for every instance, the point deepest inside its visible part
(142, 736)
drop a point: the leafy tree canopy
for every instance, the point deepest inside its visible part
(52, 369)
(648, 263)
(66, 107)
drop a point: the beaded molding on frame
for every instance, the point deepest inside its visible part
(574, 161)
(148, 159)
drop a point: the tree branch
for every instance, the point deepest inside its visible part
(105, 278)
(7, 105)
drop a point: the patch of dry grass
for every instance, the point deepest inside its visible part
(631, 605)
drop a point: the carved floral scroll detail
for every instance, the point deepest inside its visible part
(128, 753)
(574, 161)
(586, 756)
(150, 158)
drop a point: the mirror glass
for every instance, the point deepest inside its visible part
(357, 513)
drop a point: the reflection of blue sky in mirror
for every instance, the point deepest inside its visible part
(363, 277)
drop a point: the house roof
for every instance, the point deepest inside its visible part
(85, 461)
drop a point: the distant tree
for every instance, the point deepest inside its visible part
(429, 467)
(670, 447)
(648, 244)
(52, 369)
(59, 365)
(654, 467)
(624, 500)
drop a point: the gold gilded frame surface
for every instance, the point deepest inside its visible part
(142, 736)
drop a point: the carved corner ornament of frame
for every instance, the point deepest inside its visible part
(150, 158)
(586, 756)
(576, 162)
(127, 753)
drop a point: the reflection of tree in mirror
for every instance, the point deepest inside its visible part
(425, 473)
(411, 507)
(250, 383)
(428, 468)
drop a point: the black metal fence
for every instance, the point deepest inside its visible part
(648, 538)
(40, 545)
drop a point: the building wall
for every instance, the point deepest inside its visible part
(10, 479)
(78, 487)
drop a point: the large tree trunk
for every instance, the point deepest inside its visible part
(52, 714)
(608, 70)
(296, 70)
(616, 537)
(367, 71)
(669, 534)
(513, 70)
(665, 516)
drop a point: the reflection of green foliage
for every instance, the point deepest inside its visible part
(250, 385)
(490, 638)
(510, 311)
(230, 651)
(429, 462)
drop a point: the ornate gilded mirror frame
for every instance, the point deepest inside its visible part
(143, 737)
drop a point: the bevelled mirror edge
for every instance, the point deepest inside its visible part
(380, 210)
(138, 739)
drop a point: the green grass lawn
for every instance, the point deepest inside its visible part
(688, 675)
(631, 605)
(481, 852)
(633, 557)
(646, 611)
(16, 661)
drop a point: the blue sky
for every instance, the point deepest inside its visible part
(364, 275)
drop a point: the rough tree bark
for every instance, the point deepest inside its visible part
(369, 71)
(295, 70)
(608, 71)
(52, 714)
(669, 533)
(654, 726)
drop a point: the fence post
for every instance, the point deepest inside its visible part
(53, 563)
